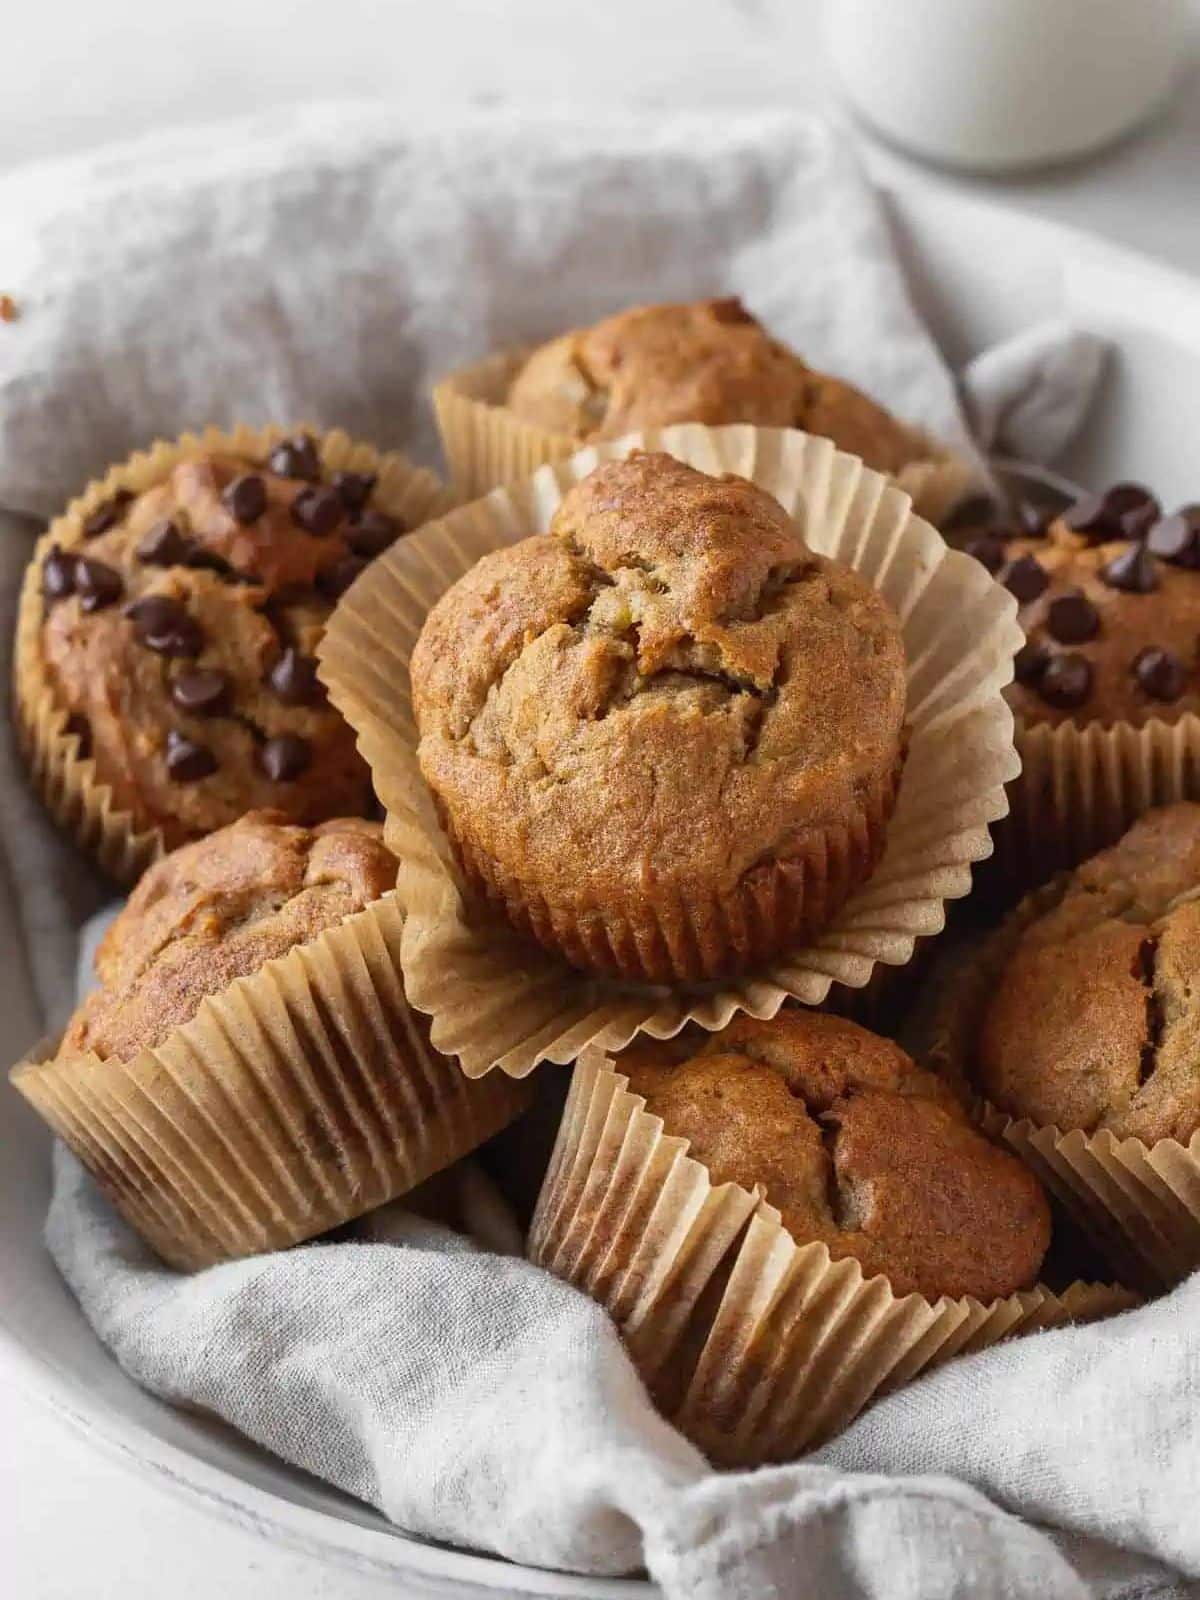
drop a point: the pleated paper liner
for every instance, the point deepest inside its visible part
(494, 998)
(487, 446)
(1080, 788)
(124, 843)
(755, 1346)
(296, 1099)
(1138, 1204)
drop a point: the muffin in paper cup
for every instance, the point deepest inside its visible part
(487, 446)
(493, 997)
(294, 1100)
(1137, 1203)
(756, 1347)
(121, 837)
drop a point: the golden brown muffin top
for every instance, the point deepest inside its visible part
(856, 1146)
(1094, 1022)
(179, 635)
(664, 690)
(709, 362)
(1111, 622)
(218, 910)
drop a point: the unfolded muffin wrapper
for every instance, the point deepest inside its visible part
(67, 781)
(295, 1099)
(756, 1346)
(1080, 789)
(1138, 1203)
(487, 446)
(494, 997)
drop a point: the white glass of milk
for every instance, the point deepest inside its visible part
(995, 85)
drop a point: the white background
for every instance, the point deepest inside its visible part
(76, 72)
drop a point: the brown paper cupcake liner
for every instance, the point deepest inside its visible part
(487, 446)
(1139, 1204)
(494, 997)
(755, 1346)
(68, 783)
(1081, 788)
(689, 942)
(296, 1099)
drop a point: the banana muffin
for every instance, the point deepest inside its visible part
(1109, 600)
(709, 362)
(665, 738)
(855, 1146)
(1092, 1019)
(217, 910)
(178, 629)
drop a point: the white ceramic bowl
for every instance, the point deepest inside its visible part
(978, 272)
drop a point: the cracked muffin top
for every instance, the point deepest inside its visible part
(856, 1146)
(1110, 603)
(179, 635)
(663, 692)
(1094, 1020)
(709, 362)
(218, 910)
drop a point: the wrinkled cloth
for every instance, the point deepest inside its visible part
(327, 266)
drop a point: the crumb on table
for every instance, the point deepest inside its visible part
(8, 308)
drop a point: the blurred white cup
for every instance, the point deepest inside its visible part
(1000, 84)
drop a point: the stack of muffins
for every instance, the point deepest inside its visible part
(669, 738)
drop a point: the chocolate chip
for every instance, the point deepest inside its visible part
(318, 511)
(285, 757)
(107, 514)
(1071, 618)
(730, 309)
(202, 691)
(97, 584)
(1030, 662)
(1093, 517)
(1134, 507)
(373, 533)
(246, 498)
(294, 679)
(188, 761)
(296, 458)
(1160, 673)
(165, 545)
(58, 574)
(1066, 681)
(163, 625)
(1134, 570)
(1033, 520)
(1177, 538)
(335, 580)
(1025, 577)
(81, 728)
(354, 489)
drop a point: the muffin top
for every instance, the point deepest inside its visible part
(1094, 1019)
(709, 362)
(1109, 599)
(856, 1146)
(218, 910)
(179, 635)
(662, 692)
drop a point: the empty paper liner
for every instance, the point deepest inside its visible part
(294, 1100)
(66, 780)
(487, 446)
(494, 997)
(754, 1345)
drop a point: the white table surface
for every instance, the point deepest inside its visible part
(74, 1524)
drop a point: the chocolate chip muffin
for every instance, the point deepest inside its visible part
(665, 737)
(1093, 1016)
(856, 1146)
(218, 910)
(709, 362)
(167, 638)
(1110, 603)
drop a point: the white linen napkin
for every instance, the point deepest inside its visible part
(327, 266)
